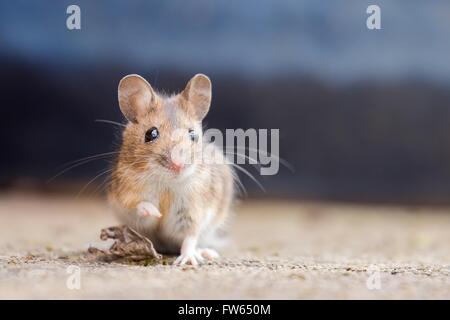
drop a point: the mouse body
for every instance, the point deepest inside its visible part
(164, 184)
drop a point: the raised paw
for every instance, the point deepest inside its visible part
(147, 209)
(192, 258)
(208, 254)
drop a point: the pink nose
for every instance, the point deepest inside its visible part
(176, 166)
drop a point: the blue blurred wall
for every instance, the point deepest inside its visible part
(328, 39)
(363, 115)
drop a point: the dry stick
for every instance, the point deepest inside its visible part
(128, 244)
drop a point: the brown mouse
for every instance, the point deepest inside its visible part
(179, 204)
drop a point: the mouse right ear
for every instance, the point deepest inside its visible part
(136, 97)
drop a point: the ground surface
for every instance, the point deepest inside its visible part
(278, 250)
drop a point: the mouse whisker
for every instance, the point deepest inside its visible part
(111, 122)
(103, 185)
(79, 162)
(92, 180)
(258, 165)
(105, 154)
(239, 182)
(284, 162)
(249, 175)
(236, 179)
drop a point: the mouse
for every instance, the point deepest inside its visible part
(159, 186)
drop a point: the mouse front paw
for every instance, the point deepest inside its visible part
(147, 209)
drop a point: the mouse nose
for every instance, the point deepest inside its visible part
(175, 165)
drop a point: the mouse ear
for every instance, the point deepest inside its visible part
(198, 93)
(136, 97)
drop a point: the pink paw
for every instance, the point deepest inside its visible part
(208, 254)
(147, 209)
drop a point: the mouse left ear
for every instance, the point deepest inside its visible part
(198, 94)
(136, 97)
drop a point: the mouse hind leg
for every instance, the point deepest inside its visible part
(208, 254)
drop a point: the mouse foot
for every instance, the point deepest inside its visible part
(192, 258)
(208, 254)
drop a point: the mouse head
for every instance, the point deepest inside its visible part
(164, 133)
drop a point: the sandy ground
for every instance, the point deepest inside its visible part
(279, 250)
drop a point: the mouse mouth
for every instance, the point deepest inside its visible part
(174, 167)
(181, 173)
(171, 166)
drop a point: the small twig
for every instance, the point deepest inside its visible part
(128, 244)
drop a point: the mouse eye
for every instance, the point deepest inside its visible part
(151, 134)
(193, 135)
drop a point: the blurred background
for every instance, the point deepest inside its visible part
(363, 114)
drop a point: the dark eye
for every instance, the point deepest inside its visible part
(151, 134)
(193, 135)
